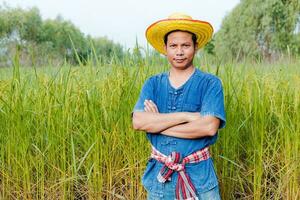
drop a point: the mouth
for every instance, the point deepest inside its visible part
(179, 60)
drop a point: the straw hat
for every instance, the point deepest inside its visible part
(178, 21)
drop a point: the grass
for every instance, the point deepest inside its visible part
(66, 133)
(261, 140)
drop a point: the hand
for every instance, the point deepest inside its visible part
(150, 106)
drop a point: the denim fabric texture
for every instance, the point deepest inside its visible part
(213, 194)
(202, 93)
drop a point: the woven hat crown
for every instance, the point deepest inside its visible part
(156, 32)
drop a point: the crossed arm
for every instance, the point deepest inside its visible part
(187, 125)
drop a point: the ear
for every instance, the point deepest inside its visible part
(165, 48)
(196, 48)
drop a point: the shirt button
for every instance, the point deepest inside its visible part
(175, 92)
(174, 108)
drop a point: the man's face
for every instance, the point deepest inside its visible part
(180, 49)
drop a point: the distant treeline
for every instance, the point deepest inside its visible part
(254, 29)
(259, 29)
(39, 41)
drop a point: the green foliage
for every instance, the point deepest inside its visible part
(258, 28)
(64, 37)
(209, 48)
(66, 132)
(27, 23)
(56, 39)
(107, 49)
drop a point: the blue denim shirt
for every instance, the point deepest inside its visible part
(202, 93)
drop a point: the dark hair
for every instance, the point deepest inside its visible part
(194, 37)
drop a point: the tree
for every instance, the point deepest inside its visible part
(25, 29)
(106, 49)
(64, 37)
(27, 23)
(258, 28)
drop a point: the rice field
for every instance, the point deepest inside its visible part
(66, 133)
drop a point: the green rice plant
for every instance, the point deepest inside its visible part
(66, 132)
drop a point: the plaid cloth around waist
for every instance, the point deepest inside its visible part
(185, 190)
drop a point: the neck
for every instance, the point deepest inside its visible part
(175, 72)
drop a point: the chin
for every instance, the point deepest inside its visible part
(182, 66)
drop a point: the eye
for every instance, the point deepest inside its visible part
(186, 45)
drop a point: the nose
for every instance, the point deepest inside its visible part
(179, 51)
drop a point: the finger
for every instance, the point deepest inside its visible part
(150, 106)
(154, 106)
(147, 107)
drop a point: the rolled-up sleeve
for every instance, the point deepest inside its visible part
(213, 101)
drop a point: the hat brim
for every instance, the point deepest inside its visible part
(155, 33)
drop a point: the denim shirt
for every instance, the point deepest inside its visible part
(202, 93)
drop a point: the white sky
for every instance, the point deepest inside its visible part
(125, 20)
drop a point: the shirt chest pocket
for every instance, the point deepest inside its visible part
(187, 107)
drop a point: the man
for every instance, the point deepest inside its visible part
(181, 111)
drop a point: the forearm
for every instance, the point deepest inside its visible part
(205, 126)
(157, 122)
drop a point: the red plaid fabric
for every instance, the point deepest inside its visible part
(185, 189)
